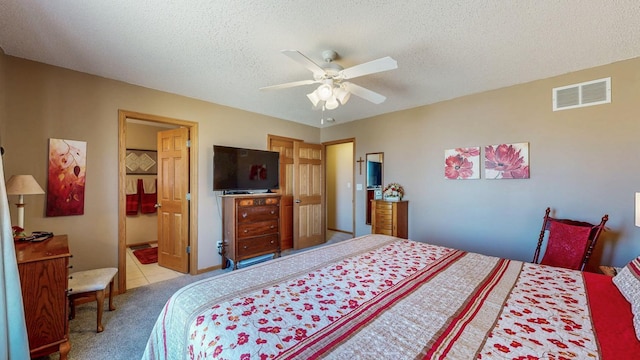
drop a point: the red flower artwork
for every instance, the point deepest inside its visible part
(66, 177)
(507, 161)
(462, 163)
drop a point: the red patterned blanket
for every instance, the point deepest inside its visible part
(378, 297)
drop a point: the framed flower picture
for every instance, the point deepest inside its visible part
(66, 177)
(462, 163)
(506, 161)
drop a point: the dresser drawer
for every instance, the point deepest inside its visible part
(384, 222)
(258, 201)
(258, 213)
(257, 246)
(385, 206)
(383, 230)
(257, 228)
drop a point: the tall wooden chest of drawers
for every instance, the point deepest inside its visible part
(390, 218)
(251, 227)
(44, 279)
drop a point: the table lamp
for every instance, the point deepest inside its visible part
(22, 185)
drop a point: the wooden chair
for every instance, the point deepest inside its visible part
(570, 242)
(92, 284)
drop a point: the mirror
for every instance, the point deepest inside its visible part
(374, 180)
(375, 169)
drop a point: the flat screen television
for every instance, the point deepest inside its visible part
(238, 170)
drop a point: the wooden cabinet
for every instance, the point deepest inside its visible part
(251, 227)
(390, 218)
(44, 275)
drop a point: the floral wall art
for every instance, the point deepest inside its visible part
(67, 174)
(462, 163)
(506, 161)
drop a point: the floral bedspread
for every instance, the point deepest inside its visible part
(379, 297)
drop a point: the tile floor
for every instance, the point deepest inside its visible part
(144, 274)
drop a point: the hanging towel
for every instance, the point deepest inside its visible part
(149, 186)
(133, 200)
(132, 187)
(147, 199)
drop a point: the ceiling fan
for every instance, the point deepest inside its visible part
(333, 89)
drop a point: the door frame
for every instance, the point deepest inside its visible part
(353, 179)
(123, 115)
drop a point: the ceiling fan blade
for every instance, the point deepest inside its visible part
(288, 85)
(306, 62)
(371, 67)
(365, 93)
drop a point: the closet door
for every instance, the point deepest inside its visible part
(308, 195)
(284, 146)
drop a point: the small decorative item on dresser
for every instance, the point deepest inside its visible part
(393, 192)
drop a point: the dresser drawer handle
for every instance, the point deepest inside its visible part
(245, 247)
(272, 241)
(272, 212)
(244, 215)
(246, 231)
(272, 227)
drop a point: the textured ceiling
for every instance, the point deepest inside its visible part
(224, 51)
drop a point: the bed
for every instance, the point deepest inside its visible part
(381, 297)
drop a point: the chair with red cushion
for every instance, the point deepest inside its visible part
(569, 243)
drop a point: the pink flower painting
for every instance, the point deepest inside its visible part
(66, 178)
(506, 161)
(462, 163)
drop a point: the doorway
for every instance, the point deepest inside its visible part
(124, 259)
(340, 204)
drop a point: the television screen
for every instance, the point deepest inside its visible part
(240, 170)
(374, 174)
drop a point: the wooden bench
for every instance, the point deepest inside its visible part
(91, 284)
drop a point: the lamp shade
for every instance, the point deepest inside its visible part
(342, 94)
(313, 96)
(23, 185)
(325, 91)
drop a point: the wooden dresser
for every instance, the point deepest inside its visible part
(44, 275)
(251, 227)
(390, 218)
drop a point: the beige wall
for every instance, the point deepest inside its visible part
(50, 102)
(584, 163)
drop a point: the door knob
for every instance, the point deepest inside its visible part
(298, 201)
(157, 205)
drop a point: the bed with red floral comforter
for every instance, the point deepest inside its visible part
(381, 297)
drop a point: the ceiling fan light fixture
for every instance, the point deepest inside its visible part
(332, 103)
(342, 95)
(324, 91)
(313, 97)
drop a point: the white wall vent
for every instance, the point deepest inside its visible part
(588, 93)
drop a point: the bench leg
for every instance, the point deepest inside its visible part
(111, 307)
(100, 300)
(72, 308)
